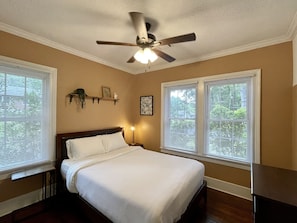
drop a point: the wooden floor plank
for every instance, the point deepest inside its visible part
(220, 208)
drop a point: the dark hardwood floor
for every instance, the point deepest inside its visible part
(220, 208)
(225, 208)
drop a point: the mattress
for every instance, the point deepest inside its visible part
(133, 185)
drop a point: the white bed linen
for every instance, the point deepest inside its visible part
(134, 185)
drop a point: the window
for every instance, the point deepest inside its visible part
(27, 114)
(180, 125)
(215, 118)
(227, 116)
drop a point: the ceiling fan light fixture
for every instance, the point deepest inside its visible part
(150, 54)
(147, 42)
(140, 57)
(145, 55)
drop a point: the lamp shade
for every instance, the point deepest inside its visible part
(145, 55)
(150, 54)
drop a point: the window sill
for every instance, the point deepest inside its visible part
(31, 172)
(234, 164)
(6, 174)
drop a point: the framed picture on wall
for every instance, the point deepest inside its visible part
(146, 105)
(106, 93)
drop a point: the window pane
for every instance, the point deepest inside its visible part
(14, 106)
(34, 97)
(181, 129)
(182, 134)
(227, 124)
(15, 85)
(2, 92)
(21, 118)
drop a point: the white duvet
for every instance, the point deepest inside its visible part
(134, 185)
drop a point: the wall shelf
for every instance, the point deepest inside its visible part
(82, 98)
(98, 99)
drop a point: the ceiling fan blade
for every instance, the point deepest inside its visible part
(164, 56)
(131, 60)
(115, 43)
(139, 25)
(178, 39)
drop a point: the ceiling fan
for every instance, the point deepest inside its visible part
(147, 41)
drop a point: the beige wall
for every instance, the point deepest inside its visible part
(276, 108)
(74, 72)
(294, 121)
(294, 132)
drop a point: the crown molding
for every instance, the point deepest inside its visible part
(289, 36)
(292, 31)
(226, 52)
(44, 41)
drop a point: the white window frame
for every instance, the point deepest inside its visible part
(179, 85)
(201, 126)
(51, 112)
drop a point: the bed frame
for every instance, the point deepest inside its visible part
(197, 204)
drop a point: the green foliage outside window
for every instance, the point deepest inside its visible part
(183, 119)
(20, 119)
(227, 133)
(227, 122)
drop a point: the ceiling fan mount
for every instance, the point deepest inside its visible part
(151, 42)
(146, 40)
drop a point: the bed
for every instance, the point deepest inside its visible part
(115, 182)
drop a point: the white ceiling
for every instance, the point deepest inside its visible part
(222, 27)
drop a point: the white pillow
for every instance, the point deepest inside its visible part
(83, 147)
(113, 141)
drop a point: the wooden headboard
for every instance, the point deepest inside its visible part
(61, 139)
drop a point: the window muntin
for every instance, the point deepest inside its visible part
(242, 117)
(180, 131)
(228, 119)
(27, 114)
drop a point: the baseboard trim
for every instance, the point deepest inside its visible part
(8, 206)
(229, 188)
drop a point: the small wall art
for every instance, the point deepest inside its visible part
(146, 105)
(106, 93)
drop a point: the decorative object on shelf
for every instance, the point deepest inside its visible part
(115, 96)
(146, 105)
(80, 92)
(133, 129)
(82, 96)
(110, 99)
(106, 93)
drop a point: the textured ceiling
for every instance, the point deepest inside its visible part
(222, 27)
